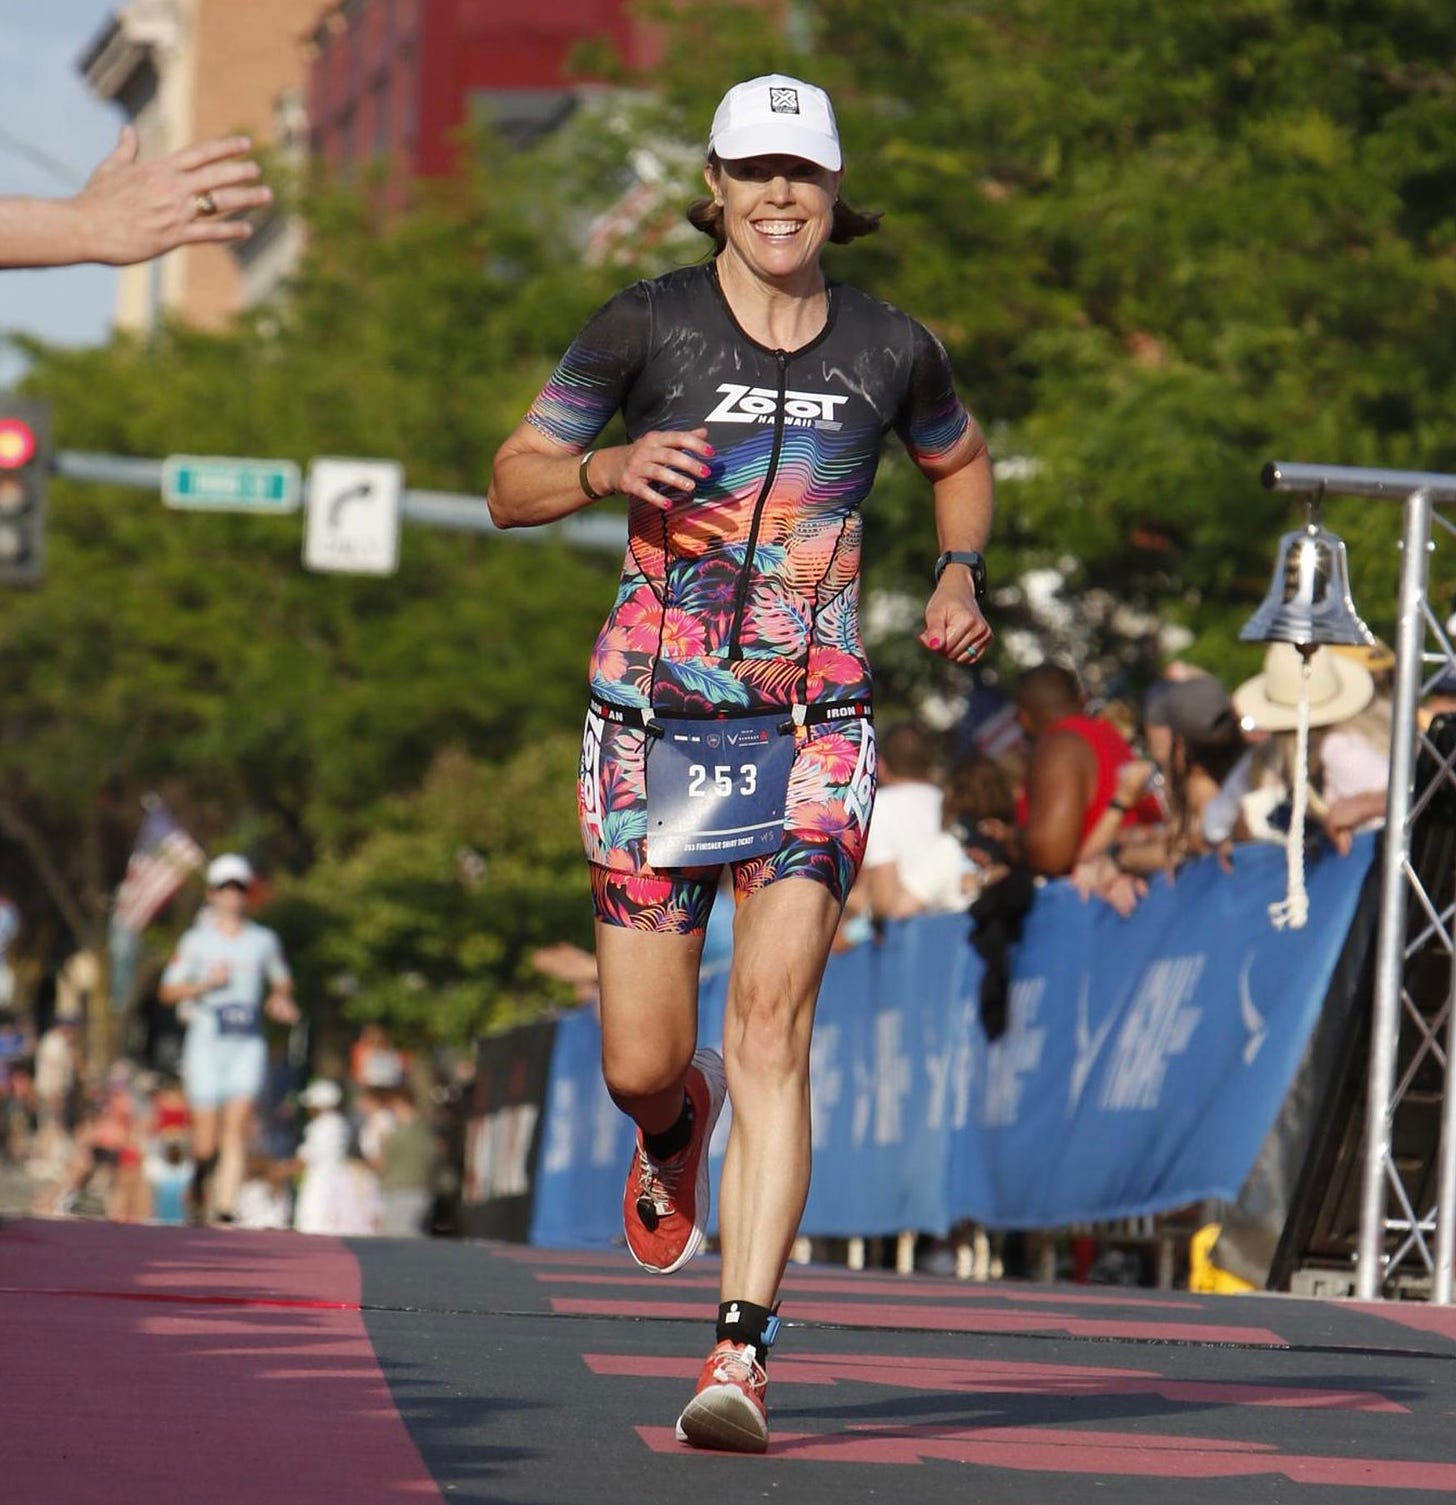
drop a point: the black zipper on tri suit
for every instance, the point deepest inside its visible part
(735, 647)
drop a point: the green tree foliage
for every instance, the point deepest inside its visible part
(1163, 243)
(190, 653)
(429, 919)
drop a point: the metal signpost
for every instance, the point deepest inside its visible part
(453, 511)
(1415, 672)
(353, 516)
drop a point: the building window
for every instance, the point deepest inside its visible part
(382, 140)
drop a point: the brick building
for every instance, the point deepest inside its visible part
(180, 71)
(397, 80)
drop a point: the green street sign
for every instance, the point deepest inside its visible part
(219, 483)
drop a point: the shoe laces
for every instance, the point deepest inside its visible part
(737, 1364)
(657, 1183)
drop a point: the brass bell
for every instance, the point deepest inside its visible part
(1309, 600)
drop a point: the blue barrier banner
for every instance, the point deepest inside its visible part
(1145, 1061)
(1146, 1058)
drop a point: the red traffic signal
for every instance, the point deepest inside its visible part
(17, 443)
(25, 465)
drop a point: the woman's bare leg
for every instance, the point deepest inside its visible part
(781, 943)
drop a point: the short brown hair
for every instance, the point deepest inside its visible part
(848, 224)
(977, 789)
(905, 750)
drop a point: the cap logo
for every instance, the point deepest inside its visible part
(783, 101)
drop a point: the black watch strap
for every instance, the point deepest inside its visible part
(972, 560)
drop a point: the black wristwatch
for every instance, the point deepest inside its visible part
(972, 560)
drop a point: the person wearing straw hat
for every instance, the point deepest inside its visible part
(1350, 756)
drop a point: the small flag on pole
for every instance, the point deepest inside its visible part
(161, 860)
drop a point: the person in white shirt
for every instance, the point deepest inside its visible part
(336, 1194)
(233, 974)
(900, 874)
(55, 1079)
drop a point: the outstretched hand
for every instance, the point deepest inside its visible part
(135, 210)
(1100, 877)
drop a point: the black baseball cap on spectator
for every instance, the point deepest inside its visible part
(1195, 709)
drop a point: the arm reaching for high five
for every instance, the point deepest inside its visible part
(131, 211)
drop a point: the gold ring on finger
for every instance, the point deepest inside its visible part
(204, 204)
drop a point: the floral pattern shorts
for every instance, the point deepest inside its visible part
(831, 795)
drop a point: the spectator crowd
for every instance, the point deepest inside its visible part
(1046, 784)
(1039, 782)
(360, 1156)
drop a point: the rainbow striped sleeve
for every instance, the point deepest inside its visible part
(596, 373)
(933, 418)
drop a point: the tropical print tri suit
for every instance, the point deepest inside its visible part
(745, 595)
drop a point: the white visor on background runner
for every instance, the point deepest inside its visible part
(229, 868)
(777, 116)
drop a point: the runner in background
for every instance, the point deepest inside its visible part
(232, 974)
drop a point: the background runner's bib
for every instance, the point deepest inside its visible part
(237, 1018)
(717, 790)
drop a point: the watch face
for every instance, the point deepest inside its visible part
(971, 560)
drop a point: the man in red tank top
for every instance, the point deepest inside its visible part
(1071, 776)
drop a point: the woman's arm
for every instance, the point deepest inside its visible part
(1132, 779)
(535, 481)
(955, 626)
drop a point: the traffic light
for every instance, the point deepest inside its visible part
(25, 462)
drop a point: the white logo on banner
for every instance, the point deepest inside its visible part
(938, 1067)
(892, 1078)
(606, 1128)
(1159, 1026)
(826, 1082)
(963, 1061)
(880, 1084)
(1089, 1045)
(1014, 1055)
(502, 1150)
(950, 1066)
(1254, 1021)
(558, 1156)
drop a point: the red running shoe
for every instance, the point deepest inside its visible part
(728, 1412)
(665, 1206)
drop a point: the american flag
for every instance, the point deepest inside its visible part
(161, 860)
(989, 726)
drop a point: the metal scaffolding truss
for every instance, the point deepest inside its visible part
(1417, 1234)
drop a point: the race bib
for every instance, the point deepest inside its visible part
(717, 790)
(236, 1019)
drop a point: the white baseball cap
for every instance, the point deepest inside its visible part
(777, 116)
(229, 868)
(321, 1093)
